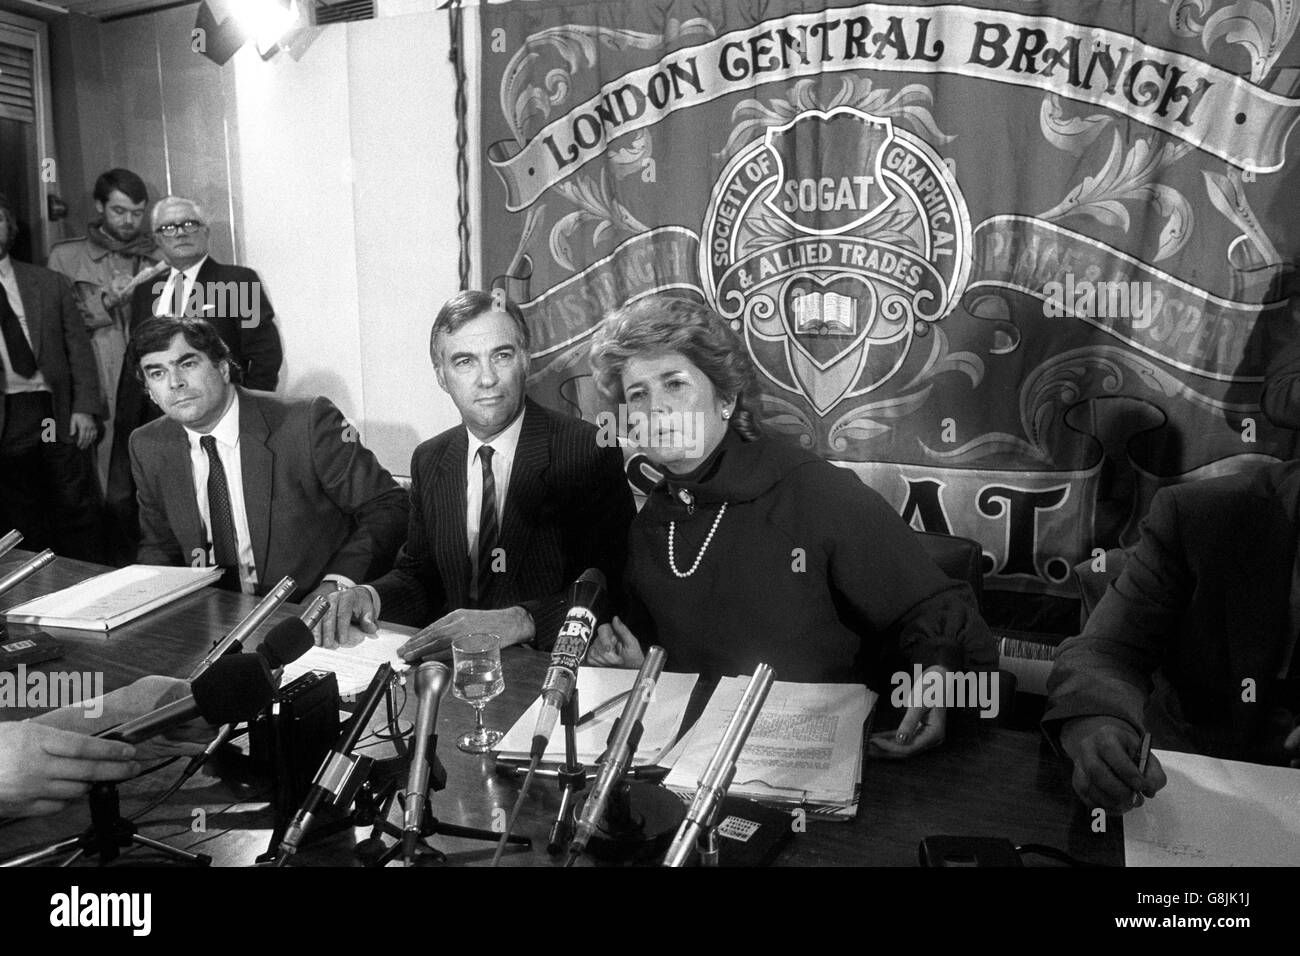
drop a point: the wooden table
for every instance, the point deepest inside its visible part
(985, 780)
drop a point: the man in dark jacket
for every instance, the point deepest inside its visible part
(507, 509)
(49, 396)
(229, 298)
(1195, 642)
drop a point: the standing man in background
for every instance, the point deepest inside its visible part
(51, 395)
(105, 266)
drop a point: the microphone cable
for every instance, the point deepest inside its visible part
(514, 814)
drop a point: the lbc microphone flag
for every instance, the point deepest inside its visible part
(1017, 265)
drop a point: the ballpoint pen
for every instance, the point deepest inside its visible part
(600, 708)
(1144, 754)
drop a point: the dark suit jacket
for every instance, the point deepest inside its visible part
(567, 509)
(59, 341)
(317, 502)
(228, 292)
(234, 300)
(1202, 605)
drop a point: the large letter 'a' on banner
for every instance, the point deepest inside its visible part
(1015, 265)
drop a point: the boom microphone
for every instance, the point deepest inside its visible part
(25, 570)
(233, 642)
(431, 680)
(234, 688)
(722, 767)
(586, 603)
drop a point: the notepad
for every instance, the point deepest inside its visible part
(109, 600)
(354, 661)
(1216, 813)
(805, 748)
(662, 721)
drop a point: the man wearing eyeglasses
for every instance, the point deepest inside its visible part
(230, 298)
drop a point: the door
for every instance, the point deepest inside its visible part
(26, 148)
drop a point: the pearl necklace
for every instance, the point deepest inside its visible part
(672, 533)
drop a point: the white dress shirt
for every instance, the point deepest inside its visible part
(163, 305)
(227, 438)
(503, 447)
(15, 383)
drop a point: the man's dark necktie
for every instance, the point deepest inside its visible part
(21, 356)
(225, 545)
(178, 296)
(487, 531)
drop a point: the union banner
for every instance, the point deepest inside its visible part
(1017, 265)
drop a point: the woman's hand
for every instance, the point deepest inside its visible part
(922, 727)
(615, 646)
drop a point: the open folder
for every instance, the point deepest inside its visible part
(108, 600)
(596, 685)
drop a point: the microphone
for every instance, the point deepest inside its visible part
(623, 743)
(586, 603)
(722, 767)
(336, 770)
(233, 689)
(25, 570)
(431, 680)
(10, 541)
(234, 641)
(315, 610)
(284, 643)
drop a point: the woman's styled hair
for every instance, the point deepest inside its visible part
(665, 323)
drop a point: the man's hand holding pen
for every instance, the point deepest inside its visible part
(1108, 763)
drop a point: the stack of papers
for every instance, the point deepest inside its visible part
(1216, 813)
(662, 721)
(109, 600)
(805, 748)
(354, 661)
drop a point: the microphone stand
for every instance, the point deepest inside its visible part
(368, 850)
(373, 784)
(108, 834)
(572, 778)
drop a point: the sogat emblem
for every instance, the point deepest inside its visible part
(832, 242)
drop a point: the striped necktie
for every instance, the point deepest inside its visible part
(487, 531)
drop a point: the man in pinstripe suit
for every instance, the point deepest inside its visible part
(507, 508)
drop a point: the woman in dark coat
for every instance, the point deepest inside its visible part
(752, 551)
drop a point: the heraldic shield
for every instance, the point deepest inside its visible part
(829, 174)
(841, 258)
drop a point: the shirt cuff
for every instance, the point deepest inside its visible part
(374, 597)
(342, 580)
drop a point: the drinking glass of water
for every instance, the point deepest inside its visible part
(477, 679)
